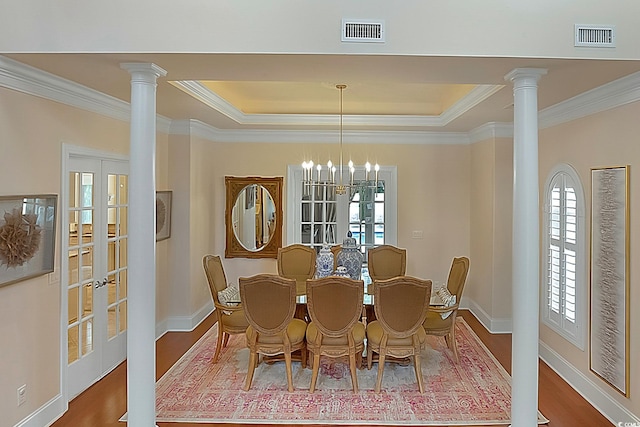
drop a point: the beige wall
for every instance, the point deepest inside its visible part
(605, 139)
(32, 131)
(450, 192)
(488, 28)
(433, 196)
(491, 230)
(482, 224)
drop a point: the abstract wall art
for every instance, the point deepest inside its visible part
(609, 332)
(27, 236)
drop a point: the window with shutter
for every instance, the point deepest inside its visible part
(564, 302)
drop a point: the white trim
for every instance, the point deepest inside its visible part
(584, 386)
(216, 102)
(203, 130)
(610, 95)
(491, 131)
(47, 414)
(494, 326)
(23, 78)
(387, 173)
(184, 323)
(582, 275)
(33, 81)
(68, 151)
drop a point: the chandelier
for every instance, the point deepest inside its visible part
(319, 178)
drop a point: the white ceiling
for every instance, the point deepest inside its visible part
(297, 92)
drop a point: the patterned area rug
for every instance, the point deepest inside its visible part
(475, 391)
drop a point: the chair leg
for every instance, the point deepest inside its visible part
(226, 339)
(369, 356)
(381, 357)
(253, 358)
(303, 353)
(287, 362)
(418, 367)
(451, 342)
(352, 368)
(218, 345)
(314, 374)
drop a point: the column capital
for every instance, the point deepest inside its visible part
(525, 73)
(143, 68)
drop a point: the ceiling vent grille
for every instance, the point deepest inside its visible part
(354, 30)
(595, 36)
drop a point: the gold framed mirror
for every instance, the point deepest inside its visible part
(253, 217)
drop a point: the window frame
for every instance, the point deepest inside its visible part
(576, 332)
(293, 215)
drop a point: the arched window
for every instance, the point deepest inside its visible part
(564, 262)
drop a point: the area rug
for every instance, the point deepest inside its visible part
(475, 391)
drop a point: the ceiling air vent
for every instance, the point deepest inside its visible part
(355, 30)
(595, 36)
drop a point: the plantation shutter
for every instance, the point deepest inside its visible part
(562, 254)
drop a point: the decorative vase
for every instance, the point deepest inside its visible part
(324, 262)
(350, 257)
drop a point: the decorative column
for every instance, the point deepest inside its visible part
(141, 307)
(526, 251)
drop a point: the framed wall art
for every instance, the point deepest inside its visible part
(27, 236)
(609, 332)
(163, 215)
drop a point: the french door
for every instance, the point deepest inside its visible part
(96, 268)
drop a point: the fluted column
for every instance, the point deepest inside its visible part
(141, 307)
(526, 248)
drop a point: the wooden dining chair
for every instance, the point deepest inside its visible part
(335, 306)
(297, 262)
(386, 261)
(231, 318)
(401, 305)
(441, 321)
(270, 303)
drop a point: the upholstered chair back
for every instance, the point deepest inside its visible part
(334, 304)
(297, 262)
(269, 302)
(387, 261)
(401, 304)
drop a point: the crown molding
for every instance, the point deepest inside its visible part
(26, 79)
(203, 130)
(214, 101)
(491, 131)
(610, 95)
(467, 102)
(33, 81)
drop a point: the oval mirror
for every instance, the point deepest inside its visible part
(253, 217)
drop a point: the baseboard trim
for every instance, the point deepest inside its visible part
(611, 409)
(46, 415)
(494, 326)
(183, 323)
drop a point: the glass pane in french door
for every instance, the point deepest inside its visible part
(117, 235)
(80, 266)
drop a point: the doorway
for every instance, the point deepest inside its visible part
(95, 266)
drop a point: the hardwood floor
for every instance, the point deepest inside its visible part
(104, 403)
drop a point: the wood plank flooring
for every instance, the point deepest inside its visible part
(104, 403)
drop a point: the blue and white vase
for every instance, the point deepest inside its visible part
(324, 262)
(350, 257)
